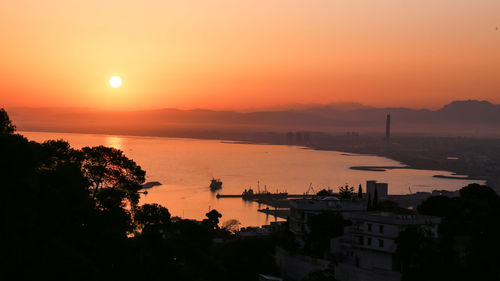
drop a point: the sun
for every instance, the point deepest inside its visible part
(115, 81)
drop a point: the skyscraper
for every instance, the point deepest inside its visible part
(388, 128)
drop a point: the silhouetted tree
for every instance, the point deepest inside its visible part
(152, 214)
(113, 218)
(324, 227)
(323, 193)
(244, 259)
(439, 206)
(152, 218)
(66, 215)
(285, 238)
(107, 167)
(212, 220)
(468, 238)
(346, 192)
(360, 191)
(418, 254)
(321, 275)
(6, 126)
(231, 225)
(46, 209)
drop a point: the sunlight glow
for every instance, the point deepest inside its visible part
(115, 81)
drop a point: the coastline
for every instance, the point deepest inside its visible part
(425, 159)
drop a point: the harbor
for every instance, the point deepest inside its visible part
(287, 196)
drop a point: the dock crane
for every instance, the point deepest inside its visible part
(311, 188)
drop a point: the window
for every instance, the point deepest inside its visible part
(361, 240)
(381, 229)
(369, 227)
(381, 243)
(368, 241)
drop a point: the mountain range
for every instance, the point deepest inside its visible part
(458, 118)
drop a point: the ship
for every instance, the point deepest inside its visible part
(262, 195)
(215, 184)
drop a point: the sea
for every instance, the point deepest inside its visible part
(184, 167)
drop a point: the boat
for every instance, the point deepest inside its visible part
(262, 195)
(215, 184)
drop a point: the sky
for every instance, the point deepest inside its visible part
(226, 54)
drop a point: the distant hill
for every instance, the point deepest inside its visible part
(338, 106)
(466, 118)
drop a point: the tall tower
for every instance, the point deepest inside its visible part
(388, 128)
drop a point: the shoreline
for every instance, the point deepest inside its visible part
(454, 176)
(361, 146)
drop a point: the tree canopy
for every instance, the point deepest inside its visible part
(346, 192)
(468, 243)
(109, 168)
(6, 126)
(71, 214)
(324, 227)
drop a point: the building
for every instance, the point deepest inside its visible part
(367, 249)
(264, 230)
(301, 210)
(382, 189)
(388, 128)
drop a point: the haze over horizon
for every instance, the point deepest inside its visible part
(291, 106)
(459, 118)
(247, 54)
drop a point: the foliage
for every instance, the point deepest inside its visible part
(346, 192)
(6, 126)
(241, 258)
(324, 193)
(109, 168)
(212, 220)
(418, 253)
(231, 225)
(151, 214)
(323, 227)
(468, 238)
(321, 275)
(285, 238)
(70, 214)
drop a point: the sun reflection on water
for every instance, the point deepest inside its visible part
(115, 142)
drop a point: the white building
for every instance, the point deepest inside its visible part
(368, 247)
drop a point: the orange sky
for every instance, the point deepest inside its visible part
(240, 54)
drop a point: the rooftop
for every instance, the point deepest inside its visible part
(395, 218)
(328, 203)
